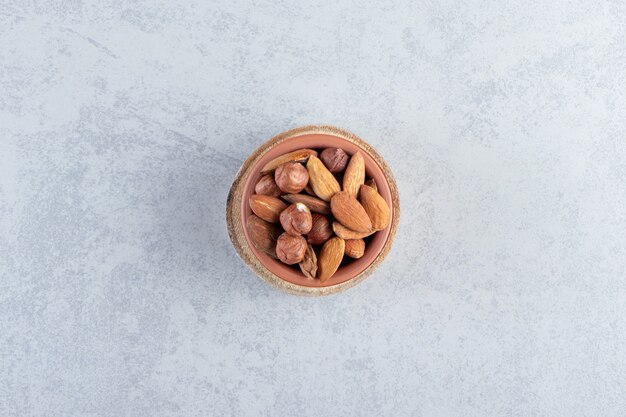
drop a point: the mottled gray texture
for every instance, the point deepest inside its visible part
(122, 125)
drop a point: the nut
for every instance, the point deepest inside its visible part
(349, 212)
(335, 159)
(296, 219)
(290, 249)
(345, 233)
(301, 155)
(291, 177)
(355, 248)
(322, 181)
(321, 230)
(308, 265)
(372, 183)
(309, 190)
(266, 207)
(330, 258)
(267, 186)
(376, 207)
(313, 203)
(262, 234)
(354, 175)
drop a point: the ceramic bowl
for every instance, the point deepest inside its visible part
(289, 278)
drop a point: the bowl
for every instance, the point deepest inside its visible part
(289, 278)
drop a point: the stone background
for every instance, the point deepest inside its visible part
(123, 123)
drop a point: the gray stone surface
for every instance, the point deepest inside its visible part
(122, 125)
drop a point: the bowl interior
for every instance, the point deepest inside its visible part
(376, 242)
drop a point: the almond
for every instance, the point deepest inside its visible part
(314, 204)
(372, 183)
(376, 207)
(301, 155)
(308, 265)
(262, 234)
(355, 248)
(354, 175)
(266, 207)
(267, 186)
(349, 212)
(322, 181)
(330, 258)
(345, 233)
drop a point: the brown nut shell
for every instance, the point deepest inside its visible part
(308, 265)
(290, 249)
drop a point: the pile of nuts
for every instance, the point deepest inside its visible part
(324, 203)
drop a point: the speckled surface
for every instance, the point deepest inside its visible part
(122, 125)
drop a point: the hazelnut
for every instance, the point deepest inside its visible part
(267, 186)
(291, 177)
(321, 230)
(296, 219)
(335, 159)
(290, 248)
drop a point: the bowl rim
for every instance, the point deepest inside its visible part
(235, 225)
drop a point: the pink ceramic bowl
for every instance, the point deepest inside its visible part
(289, 278)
